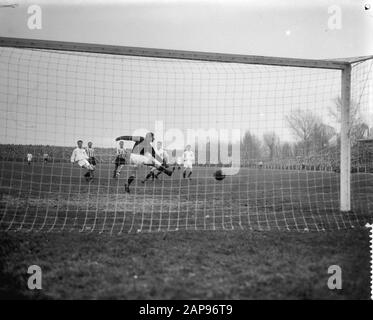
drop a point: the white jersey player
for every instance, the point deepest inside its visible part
(188, 157)
(80, 156)
(29, 158)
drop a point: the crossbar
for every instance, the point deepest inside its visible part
(170, 54)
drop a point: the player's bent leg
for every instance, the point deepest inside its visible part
(164, 170)
(89, 175)
(148, 176)
(190, 174)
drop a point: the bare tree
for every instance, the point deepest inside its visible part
(286, 150)
(322, 134)
(358, 128)
(272, 141)
(303, 123)
(250, 148)
(336, 110)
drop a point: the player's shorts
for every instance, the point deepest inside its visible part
(120, 161)
(84, 163)
(139, 159)
(92, 161)
(188, 165)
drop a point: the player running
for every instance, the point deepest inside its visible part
(120, 159)
(142, 153)
(29, 158)
(80, 155)
(162, 156)
(188, 156)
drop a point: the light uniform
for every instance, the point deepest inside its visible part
(29, 157)
(121, 156)
(179, 161)
(139, 159)
(162, 155)
(135, 160)
(80, 155)
(188, 159)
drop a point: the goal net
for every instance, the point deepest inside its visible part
(266, 140)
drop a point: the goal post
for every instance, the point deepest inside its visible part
(345, 140)
(266, 115)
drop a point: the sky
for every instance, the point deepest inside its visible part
(288, 28)
(55, 98)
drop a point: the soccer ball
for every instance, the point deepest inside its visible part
(218, 175)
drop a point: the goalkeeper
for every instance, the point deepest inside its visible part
(142, 153)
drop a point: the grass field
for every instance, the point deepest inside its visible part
(55, 197)
(94, 241)
(186, 265)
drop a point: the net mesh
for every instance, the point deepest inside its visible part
(273, 132)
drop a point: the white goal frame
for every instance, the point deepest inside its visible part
(344, 66)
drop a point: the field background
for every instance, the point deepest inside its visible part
(93, 241)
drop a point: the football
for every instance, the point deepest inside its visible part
(218, 175)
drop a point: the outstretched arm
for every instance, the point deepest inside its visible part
(130, 138)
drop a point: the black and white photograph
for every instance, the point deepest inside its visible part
(194, 150)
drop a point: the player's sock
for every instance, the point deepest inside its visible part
(148, 176)
(130, 180)
(87, 176)
(127, 185)
(127, 188)
(190, 173)
(166, 171)
(184, 174)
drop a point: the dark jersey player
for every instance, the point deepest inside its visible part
(142, 153)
